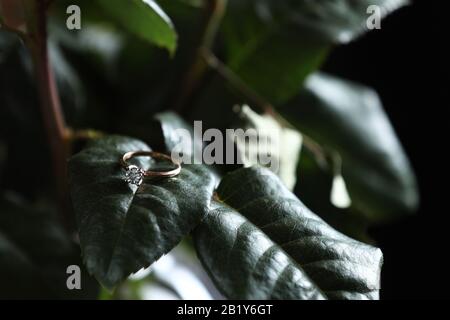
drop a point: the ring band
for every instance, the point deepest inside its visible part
(135, 175)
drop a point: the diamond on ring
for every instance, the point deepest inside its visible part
(134, 175)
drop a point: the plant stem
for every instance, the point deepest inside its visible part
(36, 40)
(236, 82)
(84, 134)
(256, 100)
(215, 10)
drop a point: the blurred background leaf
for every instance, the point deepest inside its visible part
(296, 34)
(251, 41)
(20, 125)
(176, 276)
(337, 22)
(350, 119)
(314, 185)
(35, 253)
(145, 18)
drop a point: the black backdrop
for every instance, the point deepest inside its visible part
(405, 63)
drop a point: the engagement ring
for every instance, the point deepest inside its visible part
(135, 175)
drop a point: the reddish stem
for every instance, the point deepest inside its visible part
(49, 99)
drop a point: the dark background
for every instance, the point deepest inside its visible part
(405, 63)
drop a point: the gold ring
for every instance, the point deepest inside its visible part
(135, 175)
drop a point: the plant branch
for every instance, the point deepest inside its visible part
(214, 12)
(36, 40)
(84, 134)
(236, 82)
(256, 100)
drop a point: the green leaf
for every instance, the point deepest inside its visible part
(274, 45)
(170, 123)
(271, 57)
(338, 21)
(19, 112)
(35, 254)
(161, 130)
(145, 19)
(342, 21)
(350, 119)
(260, 242)
(124, 228)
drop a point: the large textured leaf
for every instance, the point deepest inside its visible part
(274, 45)
(350, 119)
(145, 19)
(124, 228)
(261, 242)
(35, 254)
